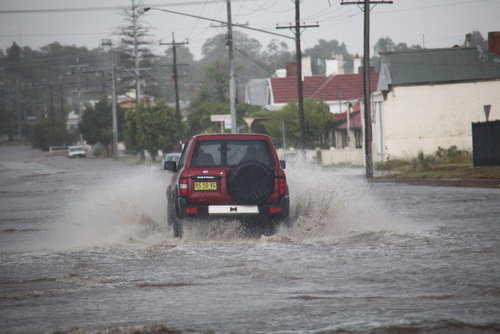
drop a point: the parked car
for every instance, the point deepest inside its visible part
(228, 175)
(76, 152)
(170, 157)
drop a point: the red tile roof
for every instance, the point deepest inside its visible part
(331, 88)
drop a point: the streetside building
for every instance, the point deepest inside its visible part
(428, 98)
(343, 93)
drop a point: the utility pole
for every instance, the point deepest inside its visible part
(298, 57)
(232, 85)
(135, 16)
(62, 114)
(78, 68)
(107, 42)
(178, 117)
(232, 91)
(366, 82)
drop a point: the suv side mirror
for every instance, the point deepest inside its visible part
(170, 165)
(283, 164)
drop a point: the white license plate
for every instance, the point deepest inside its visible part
(233, 209)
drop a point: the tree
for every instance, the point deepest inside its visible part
(97, 125)
(8, 122)
(150, 128)
(217, 81)
(198, 118)
(476, 38)
(384, 45)
(325, 50)
(134, 53)
(318, 123)
(277, 55)
(163, 68)
(46, 133)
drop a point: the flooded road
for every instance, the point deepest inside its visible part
(84, 244)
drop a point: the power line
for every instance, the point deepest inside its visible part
(218, 21)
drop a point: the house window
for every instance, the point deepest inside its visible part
(343, 138)
(358, 138)
(331, 139)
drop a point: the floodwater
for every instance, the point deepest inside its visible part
(85, 248)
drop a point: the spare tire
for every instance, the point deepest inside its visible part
(251, 183)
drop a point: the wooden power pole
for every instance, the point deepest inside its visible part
(300, 92)
(366, 82)
(178, 116)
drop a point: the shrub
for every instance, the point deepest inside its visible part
(422, 162)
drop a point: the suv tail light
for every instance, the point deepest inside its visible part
(183, 187)
(282, 186)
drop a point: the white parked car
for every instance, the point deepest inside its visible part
(76, 152)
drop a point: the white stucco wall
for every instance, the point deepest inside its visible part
(422, 118)
(352, 156)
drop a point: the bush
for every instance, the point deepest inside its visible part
(453, 155)
(424, 162)
(392, 164)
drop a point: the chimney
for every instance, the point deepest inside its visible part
(335, 65)
(280, 73)
(291, 69)
(467, 40)
(494, 42)
(356, 64)
(306, 66)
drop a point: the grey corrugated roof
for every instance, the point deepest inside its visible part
(432, 66)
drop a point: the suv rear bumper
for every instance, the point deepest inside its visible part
(276, 211)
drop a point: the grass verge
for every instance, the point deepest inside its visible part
(450, 163)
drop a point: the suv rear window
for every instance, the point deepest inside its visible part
(228, 153)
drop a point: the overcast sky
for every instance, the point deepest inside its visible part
(432, 23)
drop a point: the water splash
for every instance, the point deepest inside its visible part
(328, 203)
(130, 208)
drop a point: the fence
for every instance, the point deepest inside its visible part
(486, 143)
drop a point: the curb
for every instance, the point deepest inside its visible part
(466, 183)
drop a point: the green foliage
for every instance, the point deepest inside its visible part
(217, 81)
(98, 151)
(150, 128)
(317, 118)
(45, 133)
(8, 122)
(97, 124)
(198, 118)
(277, 55)
(453, 155)
(324, 50)
(423, 162)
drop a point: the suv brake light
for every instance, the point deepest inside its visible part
(183, 187)
(282, 186)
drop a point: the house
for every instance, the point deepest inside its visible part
(335, 90)
(428, 98)
(343, 93)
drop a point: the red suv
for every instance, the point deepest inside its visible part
(228, 175)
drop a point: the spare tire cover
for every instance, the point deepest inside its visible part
(251, 183)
